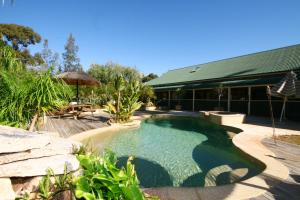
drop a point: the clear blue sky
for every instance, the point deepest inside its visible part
(158, 35)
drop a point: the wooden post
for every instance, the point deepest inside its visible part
(249, 100)
(228, 99)
(193, 100)
(169, 99)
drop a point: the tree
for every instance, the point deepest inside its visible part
(125, 99)
(71, 61)
(149, 77)
(107, 73)
(50, 58)
(147, 95)
(19, 38)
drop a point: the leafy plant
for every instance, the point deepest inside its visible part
(147, 95)
(49, 190)
(103, 180)
(126, 99)
(8, 60)
(25, 95)
(25, 196)
(100, 179)
(45, 187)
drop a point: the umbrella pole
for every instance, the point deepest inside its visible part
(283, 109)
(271, 112)
(77, 96)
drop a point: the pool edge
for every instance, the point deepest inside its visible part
(246, 141)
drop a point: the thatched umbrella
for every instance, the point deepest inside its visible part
(78, 78)
(284, 89)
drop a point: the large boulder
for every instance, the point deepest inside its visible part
(39, 166)
(16, 140)
(26, 156)
(56, 146)
(6, 190)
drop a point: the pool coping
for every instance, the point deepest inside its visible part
(247, 141)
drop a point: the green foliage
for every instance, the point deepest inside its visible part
(108, 72)
(103, 180)
(147, 94)
(86, 148)
(48, 93)
(8, 59)
(45, 187)
(71, 61)
(125, 99)
(49, 190)
(25, 196)
(24, 94)
(62, 182)
(100, 179)
(149, 77)
(19, 38)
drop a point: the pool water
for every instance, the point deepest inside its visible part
(181, 152)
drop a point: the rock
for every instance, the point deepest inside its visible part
(16, 140)
(57, 146)
(28, 184)
(50, 133)
(39, 166)
(6, 190)
(65, 195)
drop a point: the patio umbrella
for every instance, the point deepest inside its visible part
(284, 89)
(78, 78)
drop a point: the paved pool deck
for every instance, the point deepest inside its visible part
(289, 155)
(255, 131)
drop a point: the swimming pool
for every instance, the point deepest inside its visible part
(181, 152)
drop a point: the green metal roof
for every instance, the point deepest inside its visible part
(271, 61)
(240, 83)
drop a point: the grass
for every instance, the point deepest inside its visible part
(293, 139)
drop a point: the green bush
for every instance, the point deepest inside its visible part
(101, 179)
(26, 94)
(125, 99)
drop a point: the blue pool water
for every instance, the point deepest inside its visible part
(181, 152)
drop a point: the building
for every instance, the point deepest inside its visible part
(241, 79)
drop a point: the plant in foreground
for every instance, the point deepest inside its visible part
(100, 179)
(103, 180)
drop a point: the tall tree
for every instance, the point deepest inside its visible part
(19, 38)
(108, 72)
(71, 61)
(50, 58)
(149, 77)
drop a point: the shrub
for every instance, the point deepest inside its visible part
(27, 94)
(103, 180)
(126, 99)
(100, 179)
